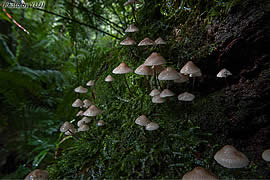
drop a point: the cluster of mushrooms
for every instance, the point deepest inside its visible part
(91, 110)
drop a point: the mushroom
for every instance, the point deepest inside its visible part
(80, 113)
(266, 155)
(100, 123)
(199, 173)
(223, 73)
(166, 93)
(151, 126)
(142, 120)
(71, 131)
(90, 83)
(81, 90)
(154, 92)
(192, 70)
(168, 74)
(143, 70)
(146, 42)
(159, 41)
(83, 127)
(37, 174)
(186, 97)
(157, 99)
(65, 127)
(93, 110)
(77, 103)
(157, 69)
(131, 28)
(87, 103)
(154, 60)
(84, 120)
(123, 69)
(229, 157)
(109, 78)
(128, 42)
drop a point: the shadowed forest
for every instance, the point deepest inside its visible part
(135, 89)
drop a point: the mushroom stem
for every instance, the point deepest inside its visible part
(127, 84)
(93, 94)
(155, 76)
(193, 83)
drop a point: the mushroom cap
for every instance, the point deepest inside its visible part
(157, 99)
(146, 42)
(80, 113)
(166, 93)
(65, 127)
(37, 175)
(154, 92)
(160, 41)
(168, 74)
(84, 127)
(154, 59)
(127, 42)
(229, 157)
(199, 173)
(224, 73)
(266, 155)
(157, 69)
(197, 74)
(151, 126)
(109, 78)
(189, 68)
(122, 69)
(93, 110)
(77, 103)
(186, 97)
(182, 79)
(84, 120)
(100, 123)
(132, 28)
(90, 83)
(142, 120)
(131, 2)
(87, 103)
(81, 89)
(70, 128)
(143, 70)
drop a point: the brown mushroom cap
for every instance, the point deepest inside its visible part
(182, 79)
(142, 120)
(81, 89)
(77, 103)
(168, 74)
(84, 120)
(199, 173)
(128, 42)
(189, 68)
(131, 2)
(229, 157)
(154, 92)
(186, 97)
(71, 131)
(166, 93)
(146, 42)
(157, 99)
(122, 69)
(160, 41)
(143, 70)
(83, 127)
(266, 155)
(197, 74)
(109, 78)
(100, 123)
(80, 113)
(90, 83)
(132, 28)
(151, 126)
(223, 73)
(65, 126)
(93, 110)
(37, 175)
(154, 59)
(87, 103)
